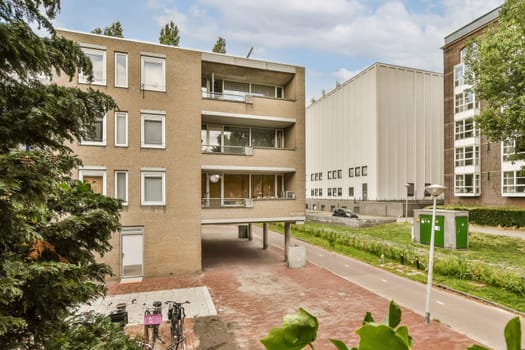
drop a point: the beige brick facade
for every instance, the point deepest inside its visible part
(169, 165)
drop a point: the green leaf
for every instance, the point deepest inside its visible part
(296, 332)
(368, 318)
(513, 334)
(380, 337)
(393, 318)
(402, 332)
(477, 347)
(339, 344)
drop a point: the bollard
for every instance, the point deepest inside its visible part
(382, 259)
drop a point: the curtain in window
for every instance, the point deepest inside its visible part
(121, 129)
(121, 70)
(153, 189)
(121, 186)
(153, 75)
(153, 132)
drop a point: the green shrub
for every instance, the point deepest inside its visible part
(505, 217)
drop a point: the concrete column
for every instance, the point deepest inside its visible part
(250, 235)
(265, 235)
(287, 226)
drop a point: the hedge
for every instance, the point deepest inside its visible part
(505, 217)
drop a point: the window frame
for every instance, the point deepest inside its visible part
(357, 171)
(364, 170)
(124, 202)
(82, 79)
(152, 173)
(125, 84)
(154, 116)
(85, 142)
(125, 115)
(153, 59)
(350, 172)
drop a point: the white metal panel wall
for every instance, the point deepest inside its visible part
(410, 131)
(341, 130)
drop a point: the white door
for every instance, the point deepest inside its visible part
(132, 251)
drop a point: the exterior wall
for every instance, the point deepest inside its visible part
(172, 238)
(410, 131)
(384, 119)
(490, 154)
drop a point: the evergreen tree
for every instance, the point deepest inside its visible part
(115, 29)
(220, 45)
(52, 227)
(496, 65)
(169, 35)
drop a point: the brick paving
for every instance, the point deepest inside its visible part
(253, 289)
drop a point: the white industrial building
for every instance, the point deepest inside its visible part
(375, 141)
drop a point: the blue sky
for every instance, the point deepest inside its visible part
(333, 39)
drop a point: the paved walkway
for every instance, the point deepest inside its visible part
(481, 322)
(252, 289)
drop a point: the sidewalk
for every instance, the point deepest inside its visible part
(252, 289)
(481, 322)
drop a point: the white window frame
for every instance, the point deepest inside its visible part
(82, 79)
(162, 60)
(104, 136)
(124, 201)
(125, 83)
(94, 171)
(125, 115)
(155, 116)
(153, 172)
(518, 190)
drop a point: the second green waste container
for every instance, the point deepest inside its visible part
(451, 228)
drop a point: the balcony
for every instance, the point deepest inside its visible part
(215, 203)
(232, 150)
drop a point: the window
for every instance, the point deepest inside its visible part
(329, 175)
(426, 193)
(514, 182)
(467, 184)
(263, 90)
(329, 191)
(312, 177)
(350, 191)
(339, 174)
(121, 186)
(463, 101)
(467, 156)
(364, 170)
(465, 129)
(316, 176)
(121, 129)
(458, 75)
(98, 62)
(153, 187)
(263, 137)
(313, 193)
(339, 191)
(357, 171)
(153, 134)
(509, 149)
(121, 69)
(153, 73)
(320, 176)
(334, 174)
(320, 192)
(334, 193)
(350, 172)
(95, 176)
(97, 134)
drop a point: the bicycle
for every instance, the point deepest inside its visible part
(152, 321)
(176, 315)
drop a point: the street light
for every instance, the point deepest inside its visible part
(435, 191)
(407, 185)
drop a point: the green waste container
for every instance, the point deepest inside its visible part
(451, 228)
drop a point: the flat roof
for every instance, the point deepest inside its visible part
(473, 26)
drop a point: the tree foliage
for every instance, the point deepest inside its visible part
(220, 45)
(496, 63)
(52, 228)
(115, 29)
(169, 35)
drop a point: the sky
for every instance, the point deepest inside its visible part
(332, 39)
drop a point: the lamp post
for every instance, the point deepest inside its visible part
(435, 191)
(407, 185)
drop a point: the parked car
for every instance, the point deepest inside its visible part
(346, 213)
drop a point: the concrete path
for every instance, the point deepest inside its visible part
(478, 321)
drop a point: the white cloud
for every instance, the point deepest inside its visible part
(343, 74)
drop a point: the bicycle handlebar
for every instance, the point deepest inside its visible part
(176, 303)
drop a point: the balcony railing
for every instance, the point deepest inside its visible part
(227, 203)
(227, 149)
(247, 98)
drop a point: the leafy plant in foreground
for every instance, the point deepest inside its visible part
(300, 330)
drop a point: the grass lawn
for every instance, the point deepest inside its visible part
(492, 268)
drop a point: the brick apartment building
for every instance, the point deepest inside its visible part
(477, 171)
(199, 138)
